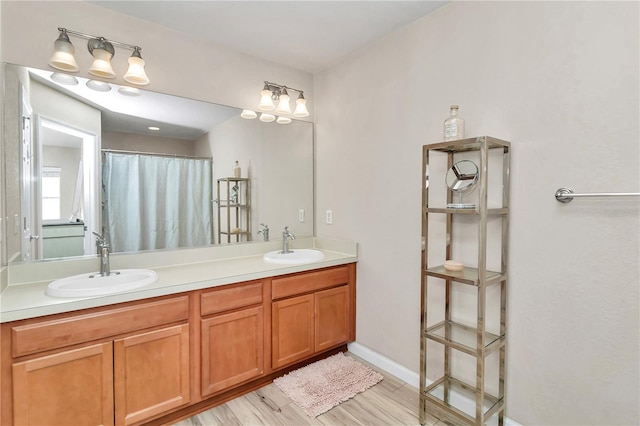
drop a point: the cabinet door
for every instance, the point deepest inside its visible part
(74, 387)
(332, 318)
(292, 330)
(151, 373)
(232, 349)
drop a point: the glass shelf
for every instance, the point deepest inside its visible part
(466, 276)
(491, 212)
(469, 144)
(463, 338)
(459, 399)
(223, 203)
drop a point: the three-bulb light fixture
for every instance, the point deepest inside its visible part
(272, 93)
(102, 51)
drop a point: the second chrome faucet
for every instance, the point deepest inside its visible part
(286, 235)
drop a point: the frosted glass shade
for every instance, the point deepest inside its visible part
(62, 58)
(266, 103)
(301, 108)
(283, 105)
(248, 114)
(101, 65)
(267, 118)
(136, 74)
(283, 120)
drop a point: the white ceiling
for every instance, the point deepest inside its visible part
(307, 35)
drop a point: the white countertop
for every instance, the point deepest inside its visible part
(26, 299)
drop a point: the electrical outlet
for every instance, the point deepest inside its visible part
(329, 217)
(301, 215)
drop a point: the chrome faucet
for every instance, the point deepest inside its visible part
(103, 250)
(286, 234)
(264, 230)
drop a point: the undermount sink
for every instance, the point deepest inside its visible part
(294, 257)
(86, 285)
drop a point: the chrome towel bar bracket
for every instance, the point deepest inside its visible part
(565, 195)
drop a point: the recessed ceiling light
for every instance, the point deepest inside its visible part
(98, 86)
(129, 91)
(154, 128)
(61, 78)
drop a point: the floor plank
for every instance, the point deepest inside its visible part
(390, 402)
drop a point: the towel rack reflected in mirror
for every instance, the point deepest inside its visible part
(565, 195)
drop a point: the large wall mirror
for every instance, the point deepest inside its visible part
(149, 170)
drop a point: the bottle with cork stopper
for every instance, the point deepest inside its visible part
(454, 125)
(236, 170)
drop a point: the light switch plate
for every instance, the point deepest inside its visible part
(301, 215)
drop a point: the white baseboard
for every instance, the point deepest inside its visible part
(382, 362)
(403, 373)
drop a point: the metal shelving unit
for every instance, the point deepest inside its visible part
(235, 209)
(448, 397)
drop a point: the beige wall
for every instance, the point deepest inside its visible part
(175, 63)
(558, 79)
(144, 143)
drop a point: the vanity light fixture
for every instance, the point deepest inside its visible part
(273, 92)
(63, 58)
(283, 120)
(102, 51)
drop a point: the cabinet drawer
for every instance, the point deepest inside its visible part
(309, 281)
(61, 332)
(229, 298)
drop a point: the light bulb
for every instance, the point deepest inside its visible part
(283, 105)
(101, 65)
(266, 103)
(301, 107)
(62, 57)
(135, 73)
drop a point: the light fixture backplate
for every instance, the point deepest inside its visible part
(100, 43)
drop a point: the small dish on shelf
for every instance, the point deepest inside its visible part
(453, 266)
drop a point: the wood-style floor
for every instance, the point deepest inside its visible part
(390, 402)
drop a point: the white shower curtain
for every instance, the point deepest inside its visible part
(156, 202)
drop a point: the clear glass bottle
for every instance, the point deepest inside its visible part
(454, 125)
(236, 170)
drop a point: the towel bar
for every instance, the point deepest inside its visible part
(565, 195)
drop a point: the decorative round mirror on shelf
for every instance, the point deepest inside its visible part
(462, 178)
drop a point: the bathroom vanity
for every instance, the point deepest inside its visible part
(154, 360)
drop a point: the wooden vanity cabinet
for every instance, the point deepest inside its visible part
(312, 312)
(232, 336)
(160, 360)
(104, 366)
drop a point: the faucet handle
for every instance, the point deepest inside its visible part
(100, 240)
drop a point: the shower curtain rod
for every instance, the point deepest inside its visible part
(156, 154)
